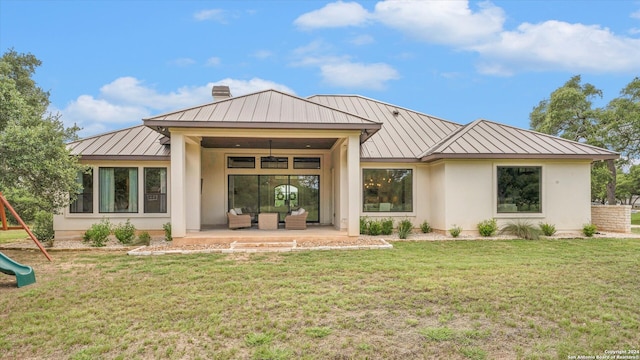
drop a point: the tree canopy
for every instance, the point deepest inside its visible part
(35, 165)
(569, 113)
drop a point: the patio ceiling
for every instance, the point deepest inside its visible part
(263, 143)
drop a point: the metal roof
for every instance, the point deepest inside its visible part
(135, 143)
(487, 139)
(405, 133)
(269, 109)
(389, 132)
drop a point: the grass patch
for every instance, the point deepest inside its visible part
(471, 299)
(635, 218)
(10, 236)
(635, 230)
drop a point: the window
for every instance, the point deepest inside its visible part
(306, 163)
(118, 190)
(519, 189)
(272, 162)
(241, 162)
(387, 190)
(155, 190)
(84, 199)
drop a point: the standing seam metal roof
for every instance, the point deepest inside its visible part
(483, 138)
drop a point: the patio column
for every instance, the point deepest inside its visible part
(178, 188)
(192, 183)
(354, 187)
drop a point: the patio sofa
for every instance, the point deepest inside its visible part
(297, 220)
(237, 221)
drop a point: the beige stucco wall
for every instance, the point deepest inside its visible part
(469, 190)
(71, 226)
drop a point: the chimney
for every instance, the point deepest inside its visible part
(220, 92)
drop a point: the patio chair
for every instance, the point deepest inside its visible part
(296, 221)
(237, 221)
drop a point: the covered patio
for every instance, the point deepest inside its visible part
(223, 235)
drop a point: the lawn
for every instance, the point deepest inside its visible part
(635, 218)
(546, 299)
(12, 235)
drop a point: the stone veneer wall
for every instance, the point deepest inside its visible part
(616, 218)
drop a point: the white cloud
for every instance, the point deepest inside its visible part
(341, 71)
(210, 14)
(243, 87)
(358, 75)
(127, 100)
(362, 40)
(213, 61)
(546, 46)
(443, 22)
(557, 45)
(337, 14)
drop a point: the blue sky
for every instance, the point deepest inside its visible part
(108, 64)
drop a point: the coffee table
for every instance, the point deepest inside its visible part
(268, 221)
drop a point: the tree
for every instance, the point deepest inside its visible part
(628, 189)
(34, 160)
(569, 113)
(621, 122)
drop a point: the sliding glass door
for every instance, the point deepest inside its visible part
(280, 194)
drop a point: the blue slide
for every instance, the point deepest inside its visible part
(24, 274)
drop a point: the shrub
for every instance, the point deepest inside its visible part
(425, 227)
(521, 229)
(387, 226)
(144, 238)
(43, 226)
(404, 228)
(488, 227)
(589, 229)
(167, 231)
(364, 225)
(125, 233)
(375, 227)
(455, 231)
(547, 229)
(98, 233)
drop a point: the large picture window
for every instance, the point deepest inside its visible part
(387, 190)
(84, 199)
(118, 190)
(519, 189)
(155, 190)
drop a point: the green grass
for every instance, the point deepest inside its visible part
(545, 299)
(635, 218)
(12, 236)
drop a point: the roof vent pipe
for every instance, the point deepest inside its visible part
(220, 92)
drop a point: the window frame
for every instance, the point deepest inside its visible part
(135, 187)
(89, 173)
(232, 158)
(519, 214)
(165, 193)
(363, 207)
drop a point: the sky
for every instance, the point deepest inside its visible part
(109, 64)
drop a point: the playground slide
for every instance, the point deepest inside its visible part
(24, 274)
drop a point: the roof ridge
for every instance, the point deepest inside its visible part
(553, 137)
(388, 104)
(106, 133)
(451, 138)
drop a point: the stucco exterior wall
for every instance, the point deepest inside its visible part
(469, 190)
(615, 218)
(73, 225)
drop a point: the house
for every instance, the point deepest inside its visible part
(338, 157)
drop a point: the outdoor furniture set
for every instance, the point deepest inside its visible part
(297, 220)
